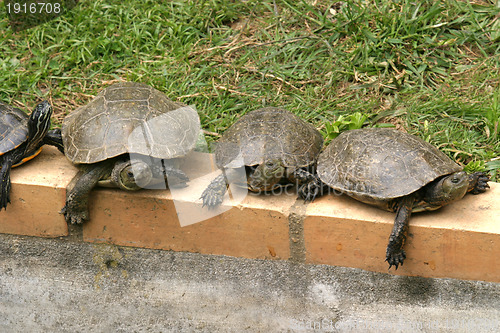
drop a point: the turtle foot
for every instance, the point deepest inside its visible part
(179, 181)
(478, 182)
(5, 197)
(4, 200)
(74, 216)
(175, 177)
(313, 189)
(211, 198)
(309, 191)
(395, 257)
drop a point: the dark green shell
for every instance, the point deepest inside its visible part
(381, 164)
(130, 117)
(269, 133)
(13, 128)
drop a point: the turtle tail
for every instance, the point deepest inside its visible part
(5, 164)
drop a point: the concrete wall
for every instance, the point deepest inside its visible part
(67, 285)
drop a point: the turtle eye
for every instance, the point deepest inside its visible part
(269, 164)
(130, 174)
(455, 180)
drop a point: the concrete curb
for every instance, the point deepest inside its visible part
(460, 241)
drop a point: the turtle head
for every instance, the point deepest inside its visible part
(38, 125)
(266, 175)
(447, 189)
(131, 175)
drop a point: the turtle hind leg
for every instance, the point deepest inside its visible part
(54, 138)
(5, 165)
(478, 182)
(395, 255)
(214, 193)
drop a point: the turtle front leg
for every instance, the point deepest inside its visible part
(6, 164)
(309, 185)
(478, 182)
(165, 172)
(301, 176)
(212, 196)
(173, 173)
(312, 189)
(395, 255)
(76, 210)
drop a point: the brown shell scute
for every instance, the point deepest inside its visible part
(269, 133)
(130, 117)
(13, 128)
(381, 163)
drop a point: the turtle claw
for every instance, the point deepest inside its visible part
(210, 198)
(73, 216)
(4, 200)
(395, 258)
(313, 189)
(309, 191)
(213, 195)
(478, 182)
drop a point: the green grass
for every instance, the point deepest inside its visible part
(431, 68)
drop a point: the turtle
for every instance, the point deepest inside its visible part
(394, 171)
(126, 137)
(21, 139)
(274, 145)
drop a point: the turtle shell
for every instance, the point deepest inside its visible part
(130, 117)
(269, 133)
(381, 164)
(13, 128)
